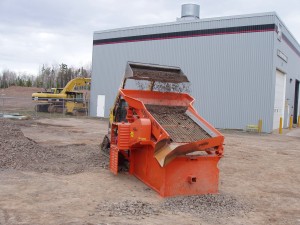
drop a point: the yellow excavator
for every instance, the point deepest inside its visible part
(64, 100)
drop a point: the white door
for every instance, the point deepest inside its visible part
(100, 105)
(280, 86)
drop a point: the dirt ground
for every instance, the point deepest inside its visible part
(52, 172)
(17, 99)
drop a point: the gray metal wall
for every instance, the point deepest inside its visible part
(291, 68)
(232, 75)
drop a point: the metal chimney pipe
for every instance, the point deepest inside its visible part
(191, 11)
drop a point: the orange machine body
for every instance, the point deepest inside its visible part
(175, 153)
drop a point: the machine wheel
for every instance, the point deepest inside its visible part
(51, 109)
(60, 109)
(75, 112)
(105, 145)
(79, 112)
(123, 163)
(41, 108)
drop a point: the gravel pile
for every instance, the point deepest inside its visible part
(212, 207)
(19, 152)
(128, 208)
(218, 205)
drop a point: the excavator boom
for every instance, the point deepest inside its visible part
(76, 82)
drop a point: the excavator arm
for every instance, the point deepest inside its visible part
(77, 82)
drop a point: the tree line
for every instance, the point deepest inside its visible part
(55, 76)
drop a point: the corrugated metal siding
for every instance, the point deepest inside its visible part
(291, 68)
(230, 74)
(188, 25)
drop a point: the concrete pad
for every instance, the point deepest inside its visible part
(294, 133)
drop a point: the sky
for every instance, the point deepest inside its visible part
(51, 32)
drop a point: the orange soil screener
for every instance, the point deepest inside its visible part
(168, 145)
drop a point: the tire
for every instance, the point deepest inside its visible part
(105, 145)
(51, 109)
(41, 108)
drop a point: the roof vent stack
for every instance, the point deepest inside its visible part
(190, 12)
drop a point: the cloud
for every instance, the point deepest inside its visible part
(50, 31)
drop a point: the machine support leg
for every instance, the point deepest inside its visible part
(131, 163)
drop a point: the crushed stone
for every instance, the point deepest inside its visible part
(211, 206)
(19, 152)
(128, 208)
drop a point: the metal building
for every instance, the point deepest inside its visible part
(242, 68)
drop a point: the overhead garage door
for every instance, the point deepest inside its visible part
(298, 104)
(279, 98)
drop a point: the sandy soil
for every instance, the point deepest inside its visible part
(68, 131)
(260, 183)
(52, 172)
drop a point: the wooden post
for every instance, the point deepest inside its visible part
(280, 125)
(298, 121)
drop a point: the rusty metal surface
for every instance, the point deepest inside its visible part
(180, 127)
(153, 72)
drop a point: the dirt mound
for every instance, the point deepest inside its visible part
(19, 91)
(19, 152)
(16, 91)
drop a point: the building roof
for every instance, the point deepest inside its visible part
(187, 22)
(255, 19)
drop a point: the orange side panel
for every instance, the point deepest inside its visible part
(180, 172)
(188, 176)
(135, 97)
(182, 176)
(113, 159)
(123, 136)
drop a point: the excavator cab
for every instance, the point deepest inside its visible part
(56, 90)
